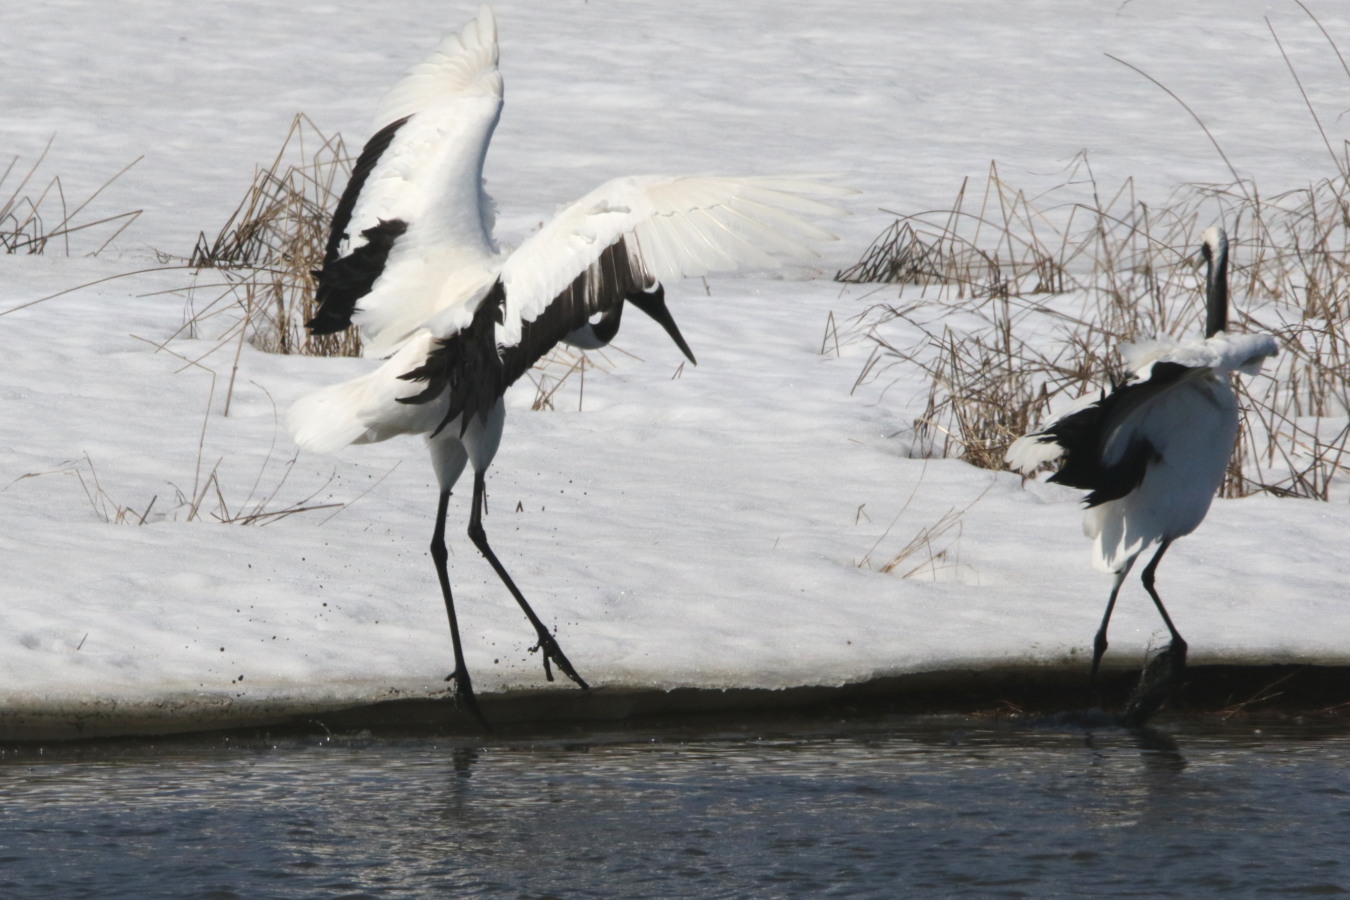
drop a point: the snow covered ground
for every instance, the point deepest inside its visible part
(717, 526)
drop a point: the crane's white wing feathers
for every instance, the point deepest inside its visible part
(430, 177)
(426, 182)
(464, 64)
(1223, 353)
(672, 227)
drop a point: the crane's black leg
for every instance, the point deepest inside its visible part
(1178, 644)
(1099, 642)
(1160, 676)
(546, 642)
(463, 686)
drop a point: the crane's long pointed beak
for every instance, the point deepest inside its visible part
(653, 303)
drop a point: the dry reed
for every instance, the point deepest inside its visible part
(35, 215)
(267, 250)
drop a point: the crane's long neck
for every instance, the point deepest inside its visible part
(1216, 281)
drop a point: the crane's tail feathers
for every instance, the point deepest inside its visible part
(1029, 452)
(328, 420)
(371, 407)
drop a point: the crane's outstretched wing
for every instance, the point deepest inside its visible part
(411, 235)
(625, 238)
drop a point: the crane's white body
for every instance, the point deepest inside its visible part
(365, 409)
(1193, 426)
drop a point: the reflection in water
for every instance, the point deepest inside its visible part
(946, 807)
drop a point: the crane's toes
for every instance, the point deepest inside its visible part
(552, 652)
(1156, 685)
(464, 695)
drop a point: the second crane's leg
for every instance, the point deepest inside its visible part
(1099, 642)
(546, 641)
(1178, 644)
(463, 686)
(1160, 676)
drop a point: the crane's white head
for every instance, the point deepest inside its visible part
(1214, 242)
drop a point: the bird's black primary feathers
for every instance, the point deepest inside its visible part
(343, 280)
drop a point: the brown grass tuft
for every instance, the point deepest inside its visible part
(269, 247)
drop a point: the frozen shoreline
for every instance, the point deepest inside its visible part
(1027, 692)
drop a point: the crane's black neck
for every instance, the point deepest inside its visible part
(1216, 284)
(608, 327)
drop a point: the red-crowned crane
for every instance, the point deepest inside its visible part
(411, 261)
(1152, 453)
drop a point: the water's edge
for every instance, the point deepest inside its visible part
(1005, 690)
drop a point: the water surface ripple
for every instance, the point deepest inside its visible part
(947, 807)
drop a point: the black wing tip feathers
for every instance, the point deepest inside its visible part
(340, 283)
(344, 281)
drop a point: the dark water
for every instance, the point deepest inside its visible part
(947, 807)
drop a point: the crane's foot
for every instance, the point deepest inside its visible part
(553, 654)
(464, 695)
(1156, 685)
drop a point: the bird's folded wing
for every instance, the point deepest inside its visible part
(1223, 353)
